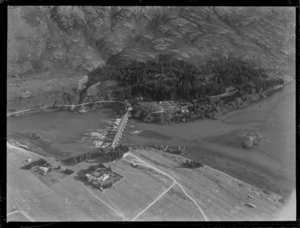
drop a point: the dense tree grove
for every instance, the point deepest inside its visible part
(108, 154)
(180, 81)
(176, 79)
(40, 162)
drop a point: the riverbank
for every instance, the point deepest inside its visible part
(271, 165)
(72, 108)
(219, 195)
(270, 93)
(60, 131)
(215, 107)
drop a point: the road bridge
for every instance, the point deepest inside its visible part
(120, 130)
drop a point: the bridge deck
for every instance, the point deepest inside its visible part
(120, 130)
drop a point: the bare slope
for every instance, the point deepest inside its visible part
(84, 37)
(49, 45)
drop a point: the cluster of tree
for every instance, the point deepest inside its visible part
(67, 171)
(107, 185)
(158, 147)
(179, 80)
(175, 150)
(122, 92)
(142, 113)
(206, 108)
(251, 139)
(119, 108)
(70, 96)
(148, 115)
(200, 111)
(170, 149)
(191, 164)
(176, 79)
(81, 174)
(109, 154)
(40, 162)
(33, 135)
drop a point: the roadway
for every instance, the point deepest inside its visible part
(153, 202)
(142, 162)
(72, 105)
(175, 182)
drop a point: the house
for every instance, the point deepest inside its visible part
(82, 110)
(105, 145)
(44, 169)
(133, 165)
(230, 89)
(90, 177)
(29, 160)
(98, 143)
(184, 109)
(103, 177)
(159, 111)
(96, 173)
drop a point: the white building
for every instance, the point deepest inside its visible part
(103, 177)
(90, 177)
(44, 169)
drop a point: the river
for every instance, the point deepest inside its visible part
(61, 131)
(270, 166)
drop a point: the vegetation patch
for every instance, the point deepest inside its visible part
(191, 164)
(176, 91)
(104, 154)
(98, 176)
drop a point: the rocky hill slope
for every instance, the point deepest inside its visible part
(41, 37)
(81, 38)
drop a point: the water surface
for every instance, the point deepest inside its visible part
(62, 130)
(271, 165)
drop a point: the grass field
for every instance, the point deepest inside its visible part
(173, 206)
(62, 201)
(137, 188)
(221, 197)
(157, 188)
(69, 199)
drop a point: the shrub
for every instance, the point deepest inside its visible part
(192, 164)
(40, 162)
(68, 171)
(251, 139)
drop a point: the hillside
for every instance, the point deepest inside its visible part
(54, 43)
